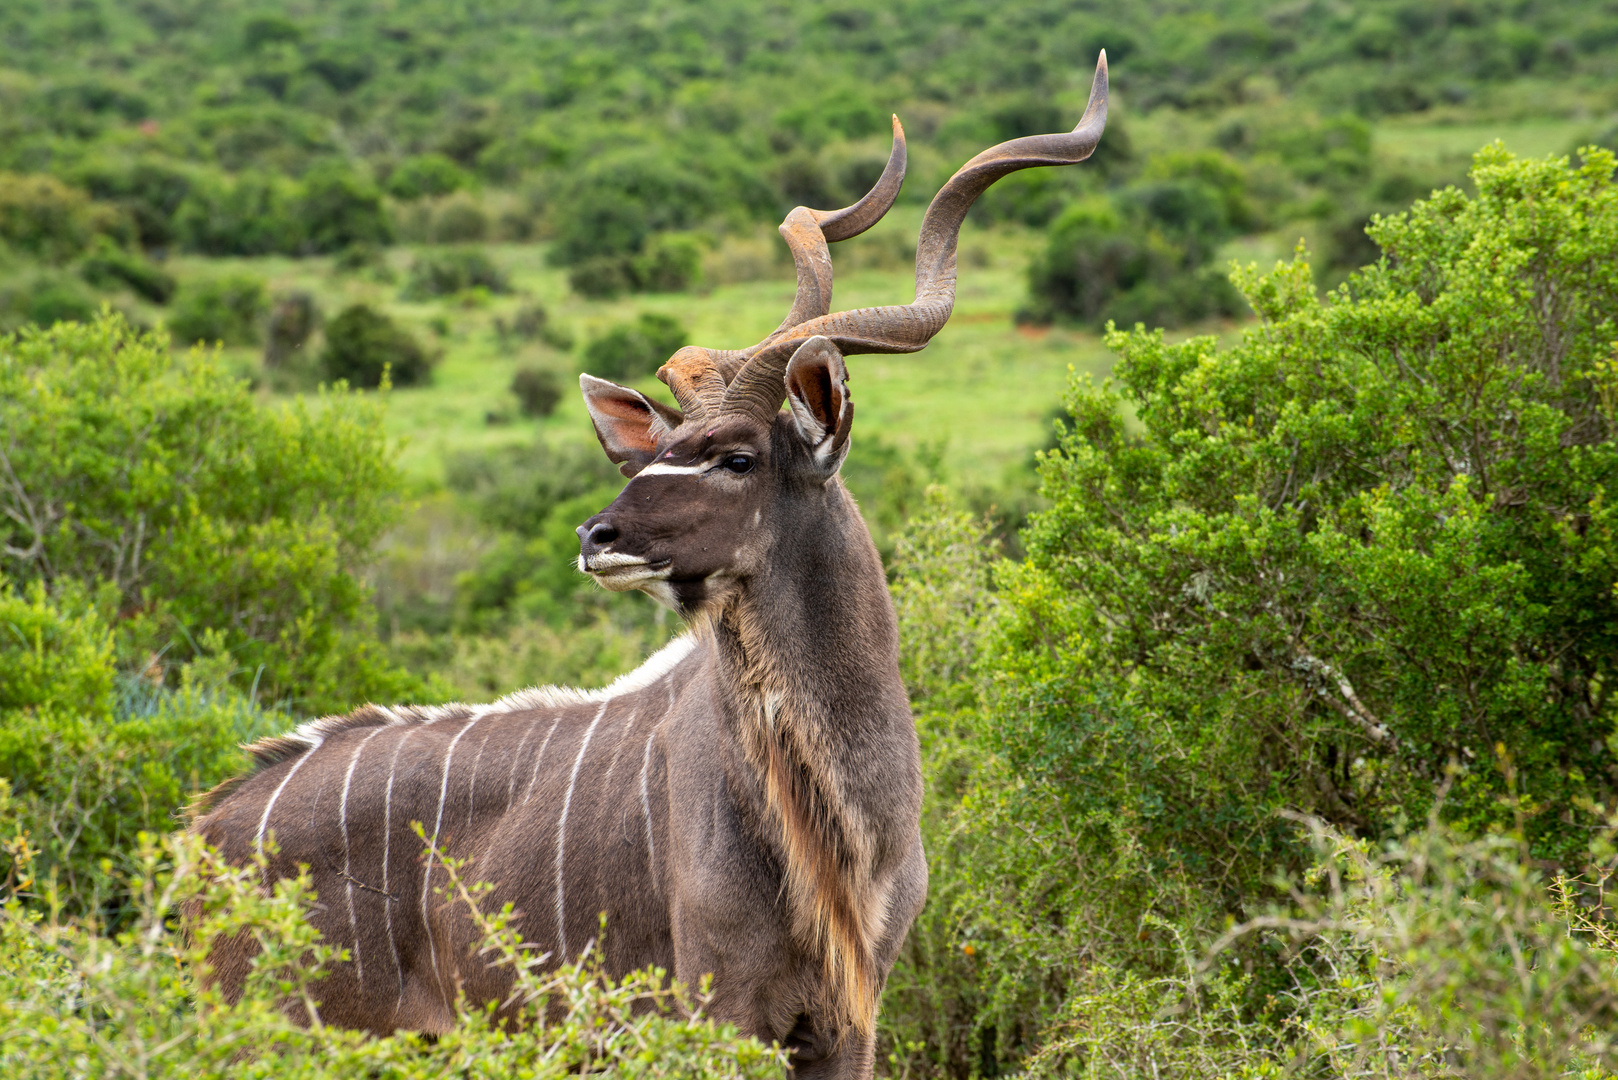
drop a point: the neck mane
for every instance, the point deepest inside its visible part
(809, 658)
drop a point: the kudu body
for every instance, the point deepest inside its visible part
(746, 804)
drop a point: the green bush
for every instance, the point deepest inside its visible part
(445, 273)
(93, 757)
(671, 262)
(362, 343)
(46, 218)
(148, 189)
(425, 175)
(538, 391)
(252, 214)
(533, 322)
(227, 309)
(44, 299)
(1359, 566)
(337, 209)
(633, 350)
(222, 528)
(111, 267)
(1140, 256)
(460, 220)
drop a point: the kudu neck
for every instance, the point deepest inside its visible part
(815, 631)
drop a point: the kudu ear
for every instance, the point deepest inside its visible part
(627, 422)
(817, 392)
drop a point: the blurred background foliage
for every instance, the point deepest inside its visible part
(294, 300)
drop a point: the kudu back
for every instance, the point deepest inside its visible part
(745, 804)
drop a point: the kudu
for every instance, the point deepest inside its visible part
(745, 804)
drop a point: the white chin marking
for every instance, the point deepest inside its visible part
(662, 592)
(658, 468)
(629, 578)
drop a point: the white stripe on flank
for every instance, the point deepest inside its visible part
(511, 782)
(387, 899)
(528, 792)
(618, 747)
(432, 849)
(660, 468)
(348, 880)
(264, 821)
(646, 809)
(561, 834)
(472, 784)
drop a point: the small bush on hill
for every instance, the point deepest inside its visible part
(227, 309)
(460, 220)
(252, 214)
(1140, 256)
(538, 391)
(110, 267)
(445, 273)
(362, 342)
(425, 175)
(634, 350)
(51, 221)
(44, 299)
(337, 208)
(533, 322)
(671, 262)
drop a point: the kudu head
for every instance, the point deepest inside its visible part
(721, 483)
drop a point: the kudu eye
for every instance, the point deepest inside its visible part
(740, 464)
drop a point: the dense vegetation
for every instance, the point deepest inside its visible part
(1266, 712)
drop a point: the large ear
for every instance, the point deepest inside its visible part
(628, 423)
(817, 392)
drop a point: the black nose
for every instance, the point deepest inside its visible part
(595, 535)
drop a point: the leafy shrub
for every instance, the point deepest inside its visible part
(533, 322)
(48, 219)
(148, 189)
(538, 391)
(362, 342)
(1139, 257)
(252, 214)
(427, 174)
(45, 299)
(1291, 589)
(96, 1006)
(633, 350)
(460, 221)
(338, 208)
(227, 309)
(602, 277)
(671, 262)
(221, 528)
(110, 267)
(445, 273)
(93, 758)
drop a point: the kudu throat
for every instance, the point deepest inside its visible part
(818, 710)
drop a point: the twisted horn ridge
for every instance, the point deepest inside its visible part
(698, 376)
(757, 386)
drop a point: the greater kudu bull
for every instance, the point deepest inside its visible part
(746, 803)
